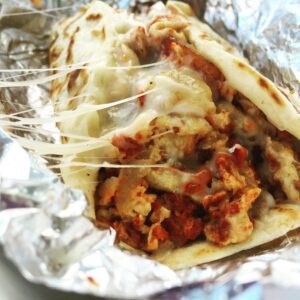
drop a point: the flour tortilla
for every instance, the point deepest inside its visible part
(279, 220)
(95, 34)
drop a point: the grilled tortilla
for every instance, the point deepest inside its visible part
(204, 163)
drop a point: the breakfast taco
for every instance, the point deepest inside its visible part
(182, 147)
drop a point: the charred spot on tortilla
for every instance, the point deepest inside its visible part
(266, 86)
(199, 160)
(241, 65)
(54, 54)
(245, 67)
(276, 98)
(93, 17)
(77, 80)
(73, 77)
(70, 47)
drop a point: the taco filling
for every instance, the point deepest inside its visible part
(221, 168)
(203, 153)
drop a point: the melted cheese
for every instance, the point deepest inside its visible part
(101, 35)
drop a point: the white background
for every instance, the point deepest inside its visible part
(14, 287)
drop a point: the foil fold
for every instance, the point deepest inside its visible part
(266, 31)
(43, 228)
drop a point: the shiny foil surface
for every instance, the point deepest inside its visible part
(267, 31)
(43, 228)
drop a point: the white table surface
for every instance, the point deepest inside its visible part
(14, 287)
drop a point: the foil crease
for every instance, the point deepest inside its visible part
(267, 31)
(43, 228)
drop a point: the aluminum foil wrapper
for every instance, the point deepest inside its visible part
(43, 228)
(267, 31)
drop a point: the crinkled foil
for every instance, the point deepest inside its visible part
(43, 229)
(267, 31)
